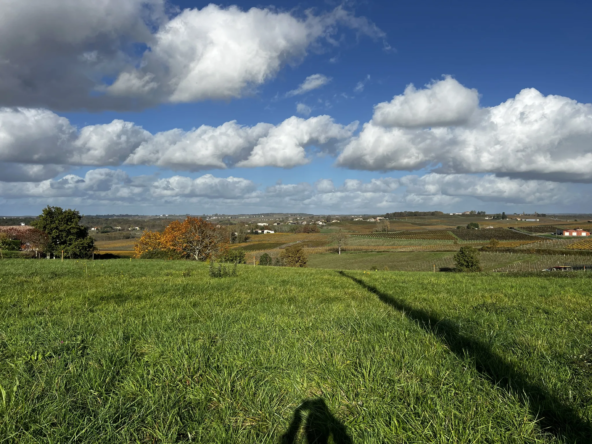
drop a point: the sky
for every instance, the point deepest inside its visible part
(325, 107)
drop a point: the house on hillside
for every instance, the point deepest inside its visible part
(262, 224)
(572, 232)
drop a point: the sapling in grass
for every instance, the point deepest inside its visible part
(222, 270)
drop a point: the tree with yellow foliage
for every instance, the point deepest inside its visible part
(194, 238)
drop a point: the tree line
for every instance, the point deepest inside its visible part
(54, 232)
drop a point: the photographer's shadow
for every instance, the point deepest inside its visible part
(319, 426)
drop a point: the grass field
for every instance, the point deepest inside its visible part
(419, 261)
(427, 261)
(495, 233)
(157, 351)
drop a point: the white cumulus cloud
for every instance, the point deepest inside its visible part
(57, 54)
(40, 137)
(531, 136)
(442, 103)
(285, 145)
(204, 186)
(201, 148)
(488, 188)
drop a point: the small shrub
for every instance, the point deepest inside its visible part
(294, 256)
(373, 268)
(265, 259)
(221, 270)
(467, 259)
(473, 226)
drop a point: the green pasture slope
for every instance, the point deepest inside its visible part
(156, 351)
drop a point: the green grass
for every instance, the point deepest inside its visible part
(425, 261)
(157, 351)
(416, 261)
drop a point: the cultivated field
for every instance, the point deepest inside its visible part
(399, 260)
(157, 351)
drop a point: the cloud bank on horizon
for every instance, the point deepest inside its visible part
(434, 146)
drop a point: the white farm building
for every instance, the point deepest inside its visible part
(573, 232)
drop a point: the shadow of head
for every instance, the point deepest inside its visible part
(320, 426)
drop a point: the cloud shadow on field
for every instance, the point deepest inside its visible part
(320, 425)
(553, 414)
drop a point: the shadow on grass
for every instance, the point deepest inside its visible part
(319, 427)
(554, 416)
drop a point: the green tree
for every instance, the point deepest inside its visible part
(504, 217)
(467, 259)
(473, 226)
(265, 259)
(294, 256)
(65, 232)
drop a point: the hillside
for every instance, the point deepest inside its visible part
(150, 351)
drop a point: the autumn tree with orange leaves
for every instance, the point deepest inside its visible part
(194, 238)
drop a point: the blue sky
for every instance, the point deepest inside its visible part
(126, 107)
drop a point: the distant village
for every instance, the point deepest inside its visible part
(268, 223)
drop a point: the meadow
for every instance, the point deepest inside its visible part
(158, 351)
